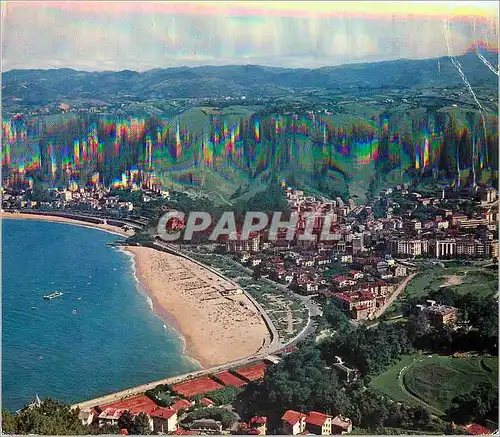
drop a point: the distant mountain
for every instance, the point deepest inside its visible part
(41, 87)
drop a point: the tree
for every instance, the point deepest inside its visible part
(224, 396)
(480, 403)
(421, 416)
(302, 381)
(8, 423)
(334, 316)
(142, 424)
(126, 421)
(226, 417)
(50, 418)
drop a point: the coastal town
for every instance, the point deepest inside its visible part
(262, 218)
(362, 267)
(375, 251)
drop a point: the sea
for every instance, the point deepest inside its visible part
(100, 336)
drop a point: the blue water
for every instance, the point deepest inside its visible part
(100, 336)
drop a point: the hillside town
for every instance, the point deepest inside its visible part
(362, 267)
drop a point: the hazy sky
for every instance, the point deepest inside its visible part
(144, 35)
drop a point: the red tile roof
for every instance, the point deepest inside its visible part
(181, 404)
(136, 404)
(206, 402)
(315, 418)
(476, 429)
(288, 349)
(111, 413)
(258, 419)
(340, 278)
(292, 417)
(341, 422)
(342, 296)
(162, 413)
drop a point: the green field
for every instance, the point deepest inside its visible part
(479, 280)
(434, 380)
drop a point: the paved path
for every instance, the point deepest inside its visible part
(140, 389)
(394, 295)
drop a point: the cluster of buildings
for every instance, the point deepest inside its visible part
(314, 423)
(361, 264)
(445, 233)
(92, 198)
(447, 246)
(343, 268)
(185, 396)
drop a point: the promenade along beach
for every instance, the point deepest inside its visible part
(220, 324)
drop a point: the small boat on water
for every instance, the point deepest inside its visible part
(53, 295)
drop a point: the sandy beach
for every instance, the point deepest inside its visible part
(218, 325)
(108, 228)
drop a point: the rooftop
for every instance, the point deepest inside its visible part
(342, 422)
(163, 413)
(315, 418)
(135, 405)
(181, 404)
(292, 417)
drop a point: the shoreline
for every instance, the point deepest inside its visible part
(216, 329)
(167, 319)
(57, 219)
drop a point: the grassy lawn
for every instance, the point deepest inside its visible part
(435, 380)
(479, 280)
(388, 382)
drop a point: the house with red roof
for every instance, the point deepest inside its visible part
(164, 420)
(293, 422)
(110, 416)
(181, 404)
(356, 274)
(343, 301)
(341, 425)
(258, 423)
(207, 402)
(341, 281)
(319, 423)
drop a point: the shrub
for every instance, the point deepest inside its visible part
(224, 396)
